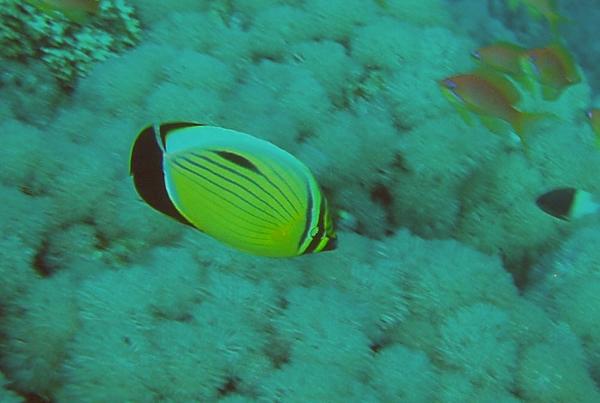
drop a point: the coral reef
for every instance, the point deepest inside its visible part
(68, 49)
(448, 284)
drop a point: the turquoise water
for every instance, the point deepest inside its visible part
(448, 284)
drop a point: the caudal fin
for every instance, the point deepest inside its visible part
(524, 122)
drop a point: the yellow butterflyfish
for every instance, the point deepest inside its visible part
(239, 189)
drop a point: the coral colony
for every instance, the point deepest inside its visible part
(462, 272)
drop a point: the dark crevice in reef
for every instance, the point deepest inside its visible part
(40, 261)
(229, 387)
(30, 397)
(102, 242)
(381, 195)
(183, 317)
(303, 135)
(519, 269)
(277, 352)
(282, 303)
(400, 164)
(375, 347)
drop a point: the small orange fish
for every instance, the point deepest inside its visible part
(552, 67)
(503, 57)
(594, 117)
(75, 10)
(490, 97)
(545, 9)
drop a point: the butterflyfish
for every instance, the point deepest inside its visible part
(241, 190)
(568, 203)
(489, 96)
(75, 10)
(552, 67)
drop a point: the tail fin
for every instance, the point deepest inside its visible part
(524, 122)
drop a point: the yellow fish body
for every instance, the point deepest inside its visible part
(241, 190)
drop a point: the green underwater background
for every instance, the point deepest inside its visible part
(449, 284)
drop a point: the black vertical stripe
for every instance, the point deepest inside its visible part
(320, 230)
(258, 171)
(308, 222)
(146, 167)
(290, 188)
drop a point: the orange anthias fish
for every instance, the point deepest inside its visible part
(491, 97)
(75, 10)
(552, 67)
(503, 57)
(545, 9)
